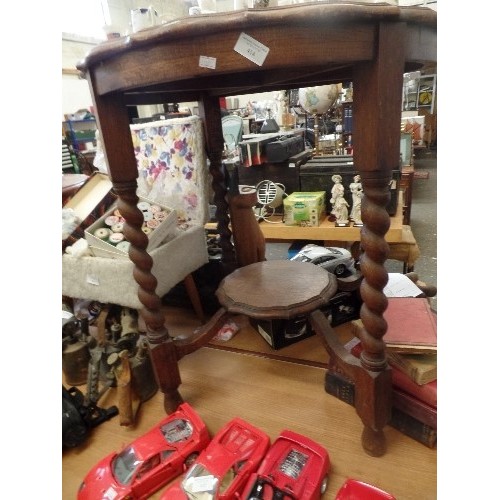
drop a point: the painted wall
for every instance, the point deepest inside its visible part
(75, 90)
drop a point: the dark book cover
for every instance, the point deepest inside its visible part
(414, 407)
(342, 388)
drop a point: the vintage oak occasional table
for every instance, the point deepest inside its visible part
(316, 43)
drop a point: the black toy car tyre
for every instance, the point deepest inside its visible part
(190, 460)
(340, 270)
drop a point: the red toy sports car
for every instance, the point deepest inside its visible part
(295, 468)
(151, 461)
(223, 468)
(353, 489)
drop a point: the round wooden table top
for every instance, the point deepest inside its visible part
(276, 289)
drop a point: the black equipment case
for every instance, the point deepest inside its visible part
(316, 175)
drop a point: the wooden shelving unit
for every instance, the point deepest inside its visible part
(420, 94)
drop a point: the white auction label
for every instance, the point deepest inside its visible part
(207, 62)
(202, 483)
(251, 49)
(110, 494)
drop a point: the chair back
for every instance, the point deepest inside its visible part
(172, 166)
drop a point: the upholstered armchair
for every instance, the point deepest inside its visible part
(172, 171)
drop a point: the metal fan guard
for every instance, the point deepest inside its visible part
(266, 192)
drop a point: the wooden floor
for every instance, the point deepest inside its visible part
(273, 395)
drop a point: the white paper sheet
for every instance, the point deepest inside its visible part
(400, 285)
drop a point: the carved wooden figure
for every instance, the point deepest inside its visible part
(249, 241)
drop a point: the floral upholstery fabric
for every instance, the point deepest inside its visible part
(172, 166)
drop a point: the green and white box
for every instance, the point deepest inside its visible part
(304, 208)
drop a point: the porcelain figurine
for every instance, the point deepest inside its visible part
(337, 191)
(340, 211)
(357, 194)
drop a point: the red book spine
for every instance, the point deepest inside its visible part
(426, 393)
(414, 407)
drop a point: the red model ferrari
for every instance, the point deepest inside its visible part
(295, 468)
(353, 489)
(151, 461)
(223, 468)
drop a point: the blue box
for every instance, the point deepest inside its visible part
(296, 246)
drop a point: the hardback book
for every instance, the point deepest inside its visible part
(427, 393)
(412, 425)
(414, 407)
(411, 326)
(421, 368)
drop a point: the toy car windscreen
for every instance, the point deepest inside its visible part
(124, 465)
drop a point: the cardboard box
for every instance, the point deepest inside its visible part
(304, 208)
(280, 333)
(89, 203)
(416, 126)
(102, 248)
(93, 202)
(343, 307)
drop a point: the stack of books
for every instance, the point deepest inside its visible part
(411, 343)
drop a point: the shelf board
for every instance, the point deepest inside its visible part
(327, 231)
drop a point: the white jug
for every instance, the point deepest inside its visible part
(143, 18)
